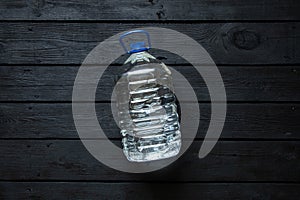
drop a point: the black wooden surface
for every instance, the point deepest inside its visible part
(256, 47)
(68, 160)
(243, 83)
(106, 190)
(251, 43)
(149, 10)
(244, 121)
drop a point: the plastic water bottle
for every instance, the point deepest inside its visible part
(146, 104)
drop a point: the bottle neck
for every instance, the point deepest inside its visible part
(137, 57)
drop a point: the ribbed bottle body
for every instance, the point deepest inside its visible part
(147, 110)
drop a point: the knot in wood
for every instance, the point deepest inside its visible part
(245, 39)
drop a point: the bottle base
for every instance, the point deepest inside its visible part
(171, 150)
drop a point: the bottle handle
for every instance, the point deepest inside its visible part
(141, 47)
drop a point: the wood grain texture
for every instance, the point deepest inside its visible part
(96, 190)
(242, 83)
(227, 43)
(255, 45)
(149, 10)
(229, 161)
(243, 121)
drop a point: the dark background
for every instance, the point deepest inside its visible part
(255, 44)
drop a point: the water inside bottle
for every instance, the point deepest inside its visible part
(147, 109)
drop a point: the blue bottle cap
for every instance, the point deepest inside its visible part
(136, 46)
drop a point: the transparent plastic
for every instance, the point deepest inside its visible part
(147, 110)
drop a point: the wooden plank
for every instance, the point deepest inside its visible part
(149, 10)
(96, 190)
(55, 83)
(243, 121)
(227, 43)
(229, 161)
